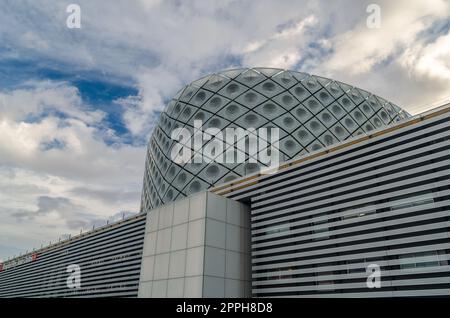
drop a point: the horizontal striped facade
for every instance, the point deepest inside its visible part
(385, 200)
(109, 259)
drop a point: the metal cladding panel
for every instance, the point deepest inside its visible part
(385, 200)
(109, 259)
(311, 113)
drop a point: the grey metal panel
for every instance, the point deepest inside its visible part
(262, 219)
(316, 237)
(292, 184)
(110, 261)
(369, 217)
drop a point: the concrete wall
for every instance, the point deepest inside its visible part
(197, 247)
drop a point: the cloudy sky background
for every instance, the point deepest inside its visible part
(78, 105)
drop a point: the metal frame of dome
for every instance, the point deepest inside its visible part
(311, 112)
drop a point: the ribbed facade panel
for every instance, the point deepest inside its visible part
(109, 259)
(316, 226)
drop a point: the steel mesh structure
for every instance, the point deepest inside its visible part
(311, 113)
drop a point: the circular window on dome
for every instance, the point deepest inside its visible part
(328, 139)
(324, 96)
(303, 134)
(302, 113)
(200, 97)
(181, 179)
(300, 91)
(346, 102)
(384, 115)
(186, 113)
(177, 109)
(216, 102)
(251, 119)
(349, 123)
(377, 122)
(368, 127)
(194, 187)
(250, 97)
(311, 84)
(339, 131)
(366, 108)
(337, 110)
(232, 88)
(326, 118)
(314, 125)
(287, 100)
(212, 171)
(232, 109)
(316, 146)
(169, 194)
(214, 123)
(200, 116)
(288, 121)
(268, 86)
(334, 88)
(269, 108)
(289, 144)
(172, 171)
(313, 104)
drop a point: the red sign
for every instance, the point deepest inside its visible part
(1, 267)
(34, 257)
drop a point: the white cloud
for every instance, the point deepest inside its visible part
(35, 97)
(283, 48)
(46, 192)
(360, 49)
(431, 59)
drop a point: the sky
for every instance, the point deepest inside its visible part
(77, 105)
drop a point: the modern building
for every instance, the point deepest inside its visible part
(363, 188)
(311, 113)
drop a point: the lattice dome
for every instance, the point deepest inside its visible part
(311, 113)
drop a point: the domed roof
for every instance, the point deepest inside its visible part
(311, 113)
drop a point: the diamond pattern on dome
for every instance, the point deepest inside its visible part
(200, 97)
(250, 78)
(232, 111)
(270, 110)
(326, 118)
(301, 113)
(251, 98)
(312, 113)
(347, 103)
(251, 119)
(337, 110)
(232, 90)
(311, 84)
(216, 82)
(303, 136)
(269, 88)
(334, 89)
(300, 92)
(285, 79)
(286, 100)
(287, 122)
(324, 97)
